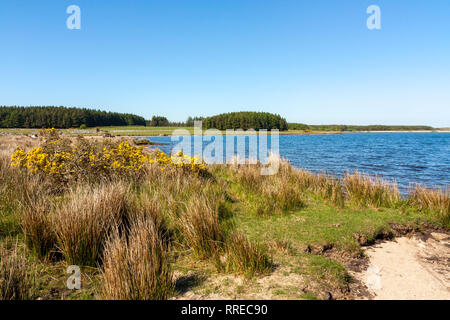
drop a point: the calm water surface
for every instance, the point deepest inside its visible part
(407, 158)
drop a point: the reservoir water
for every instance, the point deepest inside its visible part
(407, 158)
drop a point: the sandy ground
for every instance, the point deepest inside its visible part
(409, 268)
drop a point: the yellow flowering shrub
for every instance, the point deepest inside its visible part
(62, 160)
(179, 160)
(49, 134)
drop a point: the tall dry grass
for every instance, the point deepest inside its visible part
(200, 226)
(16, 280)
(269, 194)
(83, 222)
(136, 266)
(370, 192)
(40, 236)
(433, 201)
(17, 191)
(16, 187)
(326, 187)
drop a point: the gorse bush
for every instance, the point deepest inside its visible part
(63, 161)
(179, 160)
(136, 265)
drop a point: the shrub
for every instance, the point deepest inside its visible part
(63, 162)
(83, 222)
(136, 267)
(179, 160)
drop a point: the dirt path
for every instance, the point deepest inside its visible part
(409, 268)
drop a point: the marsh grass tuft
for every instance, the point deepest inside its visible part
(433, 201)
(271, 194)
(243, 256)
(16, 281)
(83, 223)
(200, 226)
(136, 266)
(330, 189)
(365, 191)
(40, 237)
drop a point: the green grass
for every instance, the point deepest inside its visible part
(319, 224)
(129, 131)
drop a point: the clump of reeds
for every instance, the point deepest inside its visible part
(136, 265)
(16, 187)
(16, 281)
(269, 194)
(278, 196)
(326, 187)
(249, 176)
(40, 236)
(83, 222)
(368, 192)
(200, 226)
(243, 256)
(432, 200)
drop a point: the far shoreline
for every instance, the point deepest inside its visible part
(153, 132)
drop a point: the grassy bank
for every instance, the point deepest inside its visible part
(144, 131)
(144, 226)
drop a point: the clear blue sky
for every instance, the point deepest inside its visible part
(310, 61)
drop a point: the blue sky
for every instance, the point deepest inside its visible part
(310, 61)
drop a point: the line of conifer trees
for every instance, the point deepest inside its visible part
(246, 120)
(62, 117)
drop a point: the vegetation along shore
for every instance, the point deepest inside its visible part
(143, 225)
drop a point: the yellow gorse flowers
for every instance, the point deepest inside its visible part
(179, 160)
(59, 159)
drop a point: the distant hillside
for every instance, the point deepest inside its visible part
(246, 120)
(62, 117)
(332, 127)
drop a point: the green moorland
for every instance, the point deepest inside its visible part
(149, 131)
(144, 226)
(130, 131)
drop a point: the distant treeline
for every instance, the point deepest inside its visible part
(246, 120)
(159, 121)
(62, 117)
(302, 126)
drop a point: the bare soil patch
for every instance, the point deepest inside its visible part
(408, 268)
